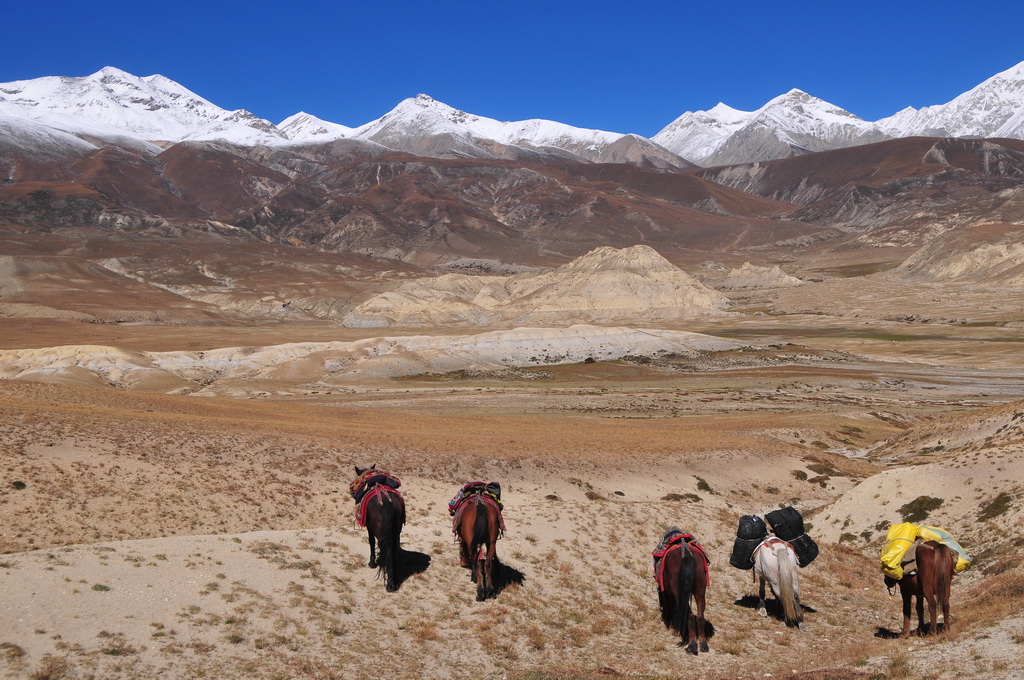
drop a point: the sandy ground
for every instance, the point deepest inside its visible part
(161, 535)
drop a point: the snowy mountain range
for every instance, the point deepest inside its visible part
(796, 123)
(150, 113)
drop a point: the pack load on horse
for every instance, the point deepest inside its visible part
(380, 509)
(369, 478)
(492, 489)
(963, 560)
(788, 524)
(898, 540)
(681, 571)
(477, 524)
(749, 534)
(898, 554)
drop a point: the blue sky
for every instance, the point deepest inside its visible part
(625, 67)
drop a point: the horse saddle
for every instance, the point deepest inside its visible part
(491, 490)
(909, 560)
(670, 540)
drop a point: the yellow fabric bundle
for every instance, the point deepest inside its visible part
(898, 540)
(942, 536)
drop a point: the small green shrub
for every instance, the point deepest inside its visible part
(918, 509)
(995, 507)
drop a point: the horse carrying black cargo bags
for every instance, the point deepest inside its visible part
(749, 534)
(742, 556)
(788, 524)
(805, 548)
(751, 526)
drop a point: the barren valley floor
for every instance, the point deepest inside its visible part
(184, 536)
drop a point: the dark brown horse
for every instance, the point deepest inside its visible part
(682, 575)
(381, 509)
(930, 582)
(477, 525)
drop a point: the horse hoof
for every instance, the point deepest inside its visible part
(704, 647)
(372, 565)
(391, 588)
(762, 613)
(692, 649)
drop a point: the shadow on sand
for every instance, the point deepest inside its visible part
(410, 563)
(505, 575)
(771, 604)
(887, 634)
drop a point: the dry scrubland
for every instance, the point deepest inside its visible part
(163, 535)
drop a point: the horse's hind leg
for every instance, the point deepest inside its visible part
(490, 555)
(373, 550)
(391, 568)
(482, 583)
(762, 609)
(945, 604)
(702, 633)
(474, 557)
(933, 614)
(691, 635)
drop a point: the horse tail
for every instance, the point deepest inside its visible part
(787, 583)
(479, 526)
(390, 523)
(943, 575)
(687, 584)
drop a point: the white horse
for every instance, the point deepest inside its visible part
(775, 561)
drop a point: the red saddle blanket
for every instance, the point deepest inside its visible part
(769, 543)
(368, 479)
(461, 507)
(374, 492)
(676, 542)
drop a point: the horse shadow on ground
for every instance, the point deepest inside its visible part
(887, 634)
(408, 563)
(505, 575)
(773, 606)
(709, 630)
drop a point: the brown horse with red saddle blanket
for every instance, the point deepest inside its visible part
(681, 572)
(930, 581)
(477, 525)
(380, 508)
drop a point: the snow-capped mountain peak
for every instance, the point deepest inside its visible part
(794, 122)
(995, 108)
(112, 103)
(424, 115)
(304, 128)
(423, 125)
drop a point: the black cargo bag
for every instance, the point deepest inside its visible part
(751, 526)
(806, 549)
(786, 523)
(743, 552)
